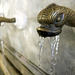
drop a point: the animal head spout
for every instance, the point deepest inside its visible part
(52, 18)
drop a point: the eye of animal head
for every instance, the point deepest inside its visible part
(59, 18)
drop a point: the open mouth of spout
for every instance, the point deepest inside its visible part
(48, 31)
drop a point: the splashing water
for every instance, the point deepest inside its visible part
(54, 42)
(41, 44)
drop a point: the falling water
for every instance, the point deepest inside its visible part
(3, 53)
(54, 42)
(41, 44)
(2, 48)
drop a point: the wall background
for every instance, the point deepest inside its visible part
(23, 37)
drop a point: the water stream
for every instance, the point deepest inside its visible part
(2, 48)
(41, 45)
(54, 43)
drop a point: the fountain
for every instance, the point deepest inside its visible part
(52, 19)
(3, 19)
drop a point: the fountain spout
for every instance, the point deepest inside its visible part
(52, 19)
(7, 20)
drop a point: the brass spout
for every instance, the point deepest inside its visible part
(53, 18)
(7, 20)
